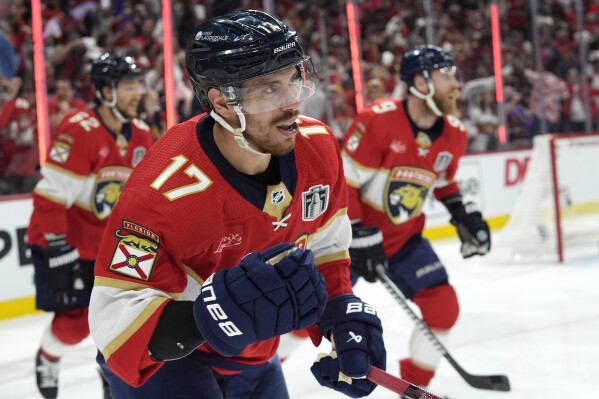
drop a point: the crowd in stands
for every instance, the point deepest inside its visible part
(76, 31)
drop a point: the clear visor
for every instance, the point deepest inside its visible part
(276, 90)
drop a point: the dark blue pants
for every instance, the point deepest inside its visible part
(190, 378)
(414, 267)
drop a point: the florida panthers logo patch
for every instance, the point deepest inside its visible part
(109, 185)
(406, 191)
(314, 202)
(134, 256)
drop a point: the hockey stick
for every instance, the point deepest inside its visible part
(490, 382)
(397, 385)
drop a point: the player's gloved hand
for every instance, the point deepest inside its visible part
(366, 252)
(472, 229)
(64, 273)
(357, 335)
(255, 300)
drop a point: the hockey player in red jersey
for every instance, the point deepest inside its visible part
(227, 232)
(90, 159)
(394, 154)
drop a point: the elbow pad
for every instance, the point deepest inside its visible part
(176, 334)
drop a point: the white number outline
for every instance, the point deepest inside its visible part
(192, 171)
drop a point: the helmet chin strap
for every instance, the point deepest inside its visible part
(428, 98)
(112, 104)
(237, 132)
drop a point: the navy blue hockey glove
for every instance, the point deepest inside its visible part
(64, 273)
(255, 300)
(473, 230)
(357, 335)
(366, 252)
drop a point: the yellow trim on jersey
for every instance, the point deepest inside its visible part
(66, 171)
(49, 197)
(340, 212)
(331, 257)
(129, 286)
(191, 273)
(363, 167)
(140, 320)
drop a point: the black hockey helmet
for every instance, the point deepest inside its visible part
(110, 69)
(423, 58)
(227, 50)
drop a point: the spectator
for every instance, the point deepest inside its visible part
(548, 94)
(62, 102)
(18, 144)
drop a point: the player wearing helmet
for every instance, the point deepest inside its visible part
(394, 154)
(93, 153)
(227, 232)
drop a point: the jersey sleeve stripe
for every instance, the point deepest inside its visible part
(133, 308)
(116, 343)
(128, 286)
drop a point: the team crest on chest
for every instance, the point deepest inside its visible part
(135, 252)
(109, 185)
(406, 191)
(314, 202)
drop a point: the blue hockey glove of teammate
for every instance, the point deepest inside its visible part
(357, 336)
(269, 293)
(472, 229)
(64, 273)
(366, 252)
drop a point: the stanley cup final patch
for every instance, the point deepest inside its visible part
(134, 256)
(314, 202)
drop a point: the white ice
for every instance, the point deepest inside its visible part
(536, 323)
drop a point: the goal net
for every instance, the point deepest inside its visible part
(556, 214)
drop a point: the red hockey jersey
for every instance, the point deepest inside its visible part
(390, 170)
(180, 219)
(82, 179)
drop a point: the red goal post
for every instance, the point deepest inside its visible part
(556, 214)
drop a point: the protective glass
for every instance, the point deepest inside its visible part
(276, 90)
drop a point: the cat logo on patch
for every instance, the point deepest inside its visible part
(314, 202)
(109, 185)
(405, 193)
(134, 256)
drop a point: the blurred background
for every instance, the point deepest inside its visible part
(549, 66)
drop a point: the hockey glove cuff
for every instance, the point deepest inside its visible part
(366, 252)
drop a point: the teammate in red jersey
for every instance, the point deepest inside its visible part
(183, 305)
(394, 154)
(91, 157)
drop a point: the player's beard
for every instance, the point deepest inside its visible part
(272, 142)
(128, 112)
(446, 104)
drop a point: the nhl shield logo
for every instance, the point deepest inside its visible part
(314, 202)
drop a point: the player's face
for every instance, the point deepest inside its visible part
(129, 94)
(447, 89)
(274, 131)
